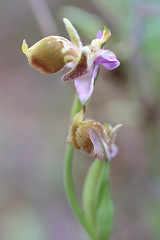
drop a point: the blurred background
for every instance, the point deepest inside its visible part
(34, 119)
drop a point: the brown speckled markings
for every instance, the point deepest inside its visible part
(47, 56)
(82, 134)
(80, 138)
(40, 65)
(79, 70)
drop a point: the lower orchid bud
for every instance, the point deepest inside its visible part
(93, 138)
(50, 54)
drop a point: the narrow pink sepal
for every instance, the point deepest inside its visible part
(101, 149)
(113, 150)
(99, 35)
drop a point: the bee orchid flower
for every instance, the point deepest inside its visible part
(94, 138)
(53, 53)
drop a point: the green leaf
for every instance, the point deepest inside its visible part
(89, 190)
(103, 205)
(97, 200)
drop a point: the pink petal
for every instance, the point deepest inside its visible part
(107, 59)
(84, 88)
(95, 72)
(113, 150)
(99, 35)
(85, 85)
(101, 149)
(82, 68)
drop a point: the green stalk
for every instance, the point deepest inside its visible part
(69, 181)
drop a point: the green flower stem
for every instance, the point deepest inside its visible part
(68, 178)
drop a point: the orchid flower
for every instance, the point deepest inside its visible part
(53, 53)
(93, 138)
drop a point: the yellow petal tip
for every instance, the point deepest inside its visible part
(24, 47)
(78, 117)
(106, 34)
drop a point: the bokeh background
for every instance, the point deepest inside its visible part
(34, 119)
